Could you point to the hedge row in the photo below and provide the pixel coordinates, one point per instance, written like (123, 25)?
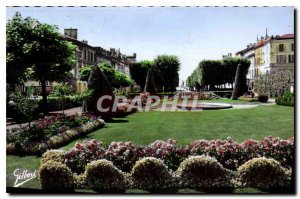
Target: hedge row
(202, 173)
(228, 152)
(54, 104)
(56, 141)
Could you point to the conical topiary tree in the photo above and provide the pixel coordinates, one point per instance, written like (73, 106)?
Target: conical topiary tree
(239, 83)
(100, 86)
(150, 85)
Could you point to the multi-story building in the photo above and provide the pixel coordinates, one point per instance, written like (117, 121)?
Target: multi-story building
(90, 55)
(268, 55)
(274, 53)
(248, 53)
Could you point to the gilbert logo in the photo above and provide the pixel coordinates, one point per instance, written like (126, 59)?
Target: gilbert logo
(23, 176)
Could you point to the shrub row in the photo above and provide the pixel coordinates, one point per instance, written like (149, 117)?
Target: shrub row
(53, 103)
(56, 141)
(202, 173)
(228, 152)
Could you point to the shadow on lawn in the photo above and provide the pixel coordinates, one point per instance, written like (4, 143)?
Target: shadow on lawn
(117, 121)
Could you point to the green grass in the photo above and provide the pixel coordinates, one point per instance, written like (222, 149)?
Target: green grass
(31, 163)
(184, 127)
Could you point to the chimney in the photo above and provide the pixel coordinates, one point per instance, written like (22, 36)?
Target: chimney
(134, 55)
(71, 32)
(84, 41)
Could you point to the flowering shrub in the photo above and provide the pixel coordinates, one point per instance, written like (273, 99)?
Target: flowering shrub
(204, 173)
(228, 153)
(55, 176)
(279, 149)
(151, 174)
(122, 110)
(232, 154)
(37, 142)
(77, 158)
(144, 97)
(168, 152)
(262, 173)
(124, 154)
(103, 176)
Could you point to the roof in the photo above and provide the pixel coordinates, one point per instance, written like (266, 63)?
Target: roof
(287, 36)
(77, 41)
(264, 42)
(245, 50)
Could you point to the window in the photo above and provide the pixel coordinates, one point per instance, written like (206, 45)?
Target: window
(89, 56)
(84, 54)
(291, 58)
(280, 59)
(281, 47)
(292, 47)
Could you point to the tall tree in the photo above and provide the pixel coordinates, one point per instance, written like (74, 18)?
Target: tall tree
(44, 50)
(18, 36)
(138, 71)
(217, 72)
(165, 70)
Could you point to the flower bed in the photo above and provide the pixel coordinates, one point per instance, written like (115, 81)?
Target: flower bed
(197, 172)
(227, 152)
(50, 133)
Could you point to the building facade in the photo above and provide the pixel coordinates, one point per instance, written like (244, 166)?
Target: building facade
(88, 55)
(269, 55)
(248, 53)
(274, 53)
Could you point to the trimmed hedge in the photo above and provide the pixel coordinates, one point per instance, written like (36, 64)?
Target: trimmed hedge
(206, 174)
(198, 172)
(264, 174)
(262, 98)
(151, 174)
(102, 176)
(53, 103)
(55, 176)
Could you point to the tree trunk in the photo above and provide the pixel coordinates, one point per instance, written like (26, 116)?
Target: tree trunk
(44, 95)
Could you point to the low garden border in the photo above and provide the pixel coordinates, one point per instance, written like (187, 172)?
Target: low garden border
(201, 173)
(56, 141)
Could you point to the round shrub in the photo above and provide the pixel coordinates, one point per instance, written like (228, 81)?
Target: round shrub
(53, 155)
(55, 176)
(264, 174)
(102, 176)
(206, 174)
(263, 98)
(151, 174)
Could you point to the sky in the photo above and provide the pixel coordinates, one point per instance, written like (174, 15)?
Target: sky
(191, 33)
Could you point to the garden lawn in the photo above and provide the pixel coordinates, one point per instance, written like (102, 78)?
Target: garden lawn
(185, 127)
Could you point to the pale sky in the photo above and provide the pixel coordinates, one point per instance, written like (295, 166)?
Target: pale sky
(191, 33)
